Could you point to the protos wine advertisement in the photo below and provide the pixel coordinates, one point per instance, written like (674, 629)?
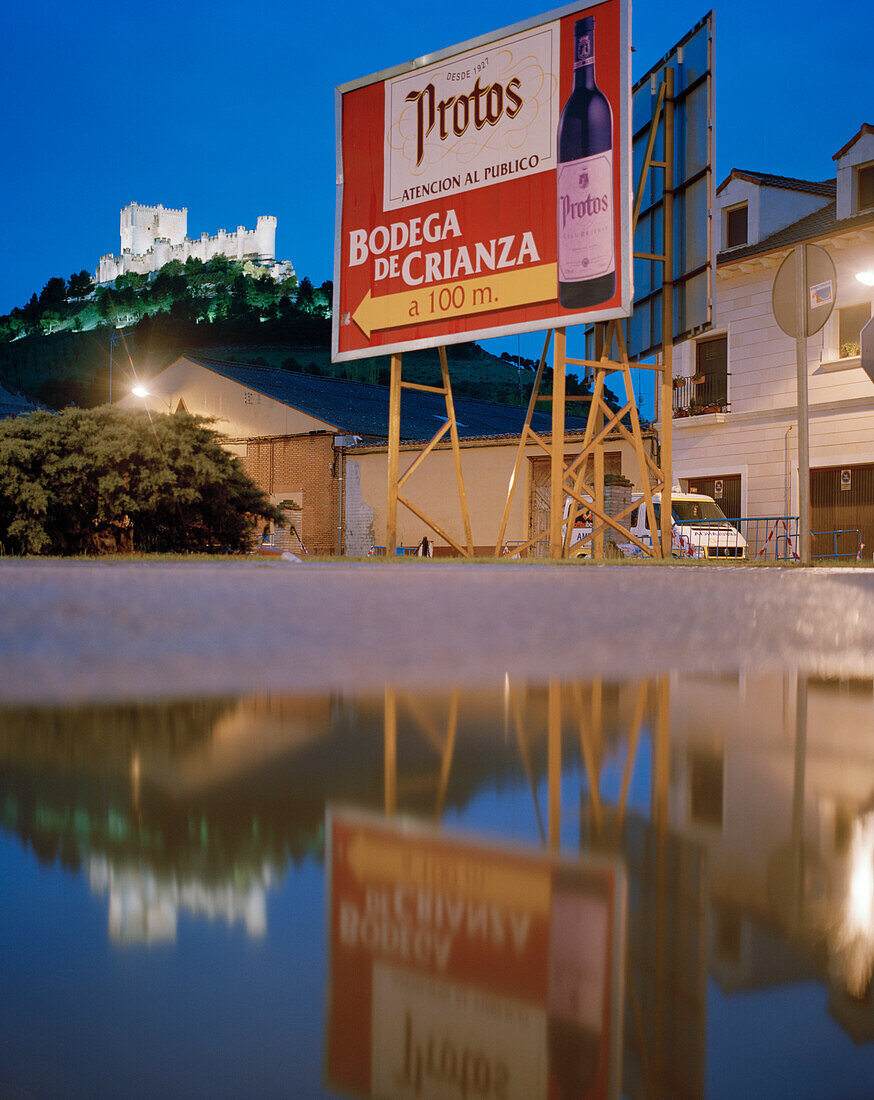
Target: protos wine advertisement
(464, 969)
(486, 189)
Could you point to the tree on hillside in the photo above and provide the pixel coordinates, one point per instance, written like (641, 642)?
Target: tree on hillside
(79, 286)
(218, 265)
(53, 294)
(305, 295)
(102, 479)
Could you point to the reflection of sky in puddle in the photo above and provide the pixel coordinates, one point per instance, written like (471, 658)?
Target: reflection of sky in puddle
(192, 835)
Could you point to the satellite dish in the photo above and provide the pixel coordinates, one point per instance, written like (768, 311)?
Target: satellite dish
(820, 291)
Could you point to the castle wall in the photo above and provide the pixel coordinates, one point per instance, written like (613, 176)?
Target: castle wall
(151, 236)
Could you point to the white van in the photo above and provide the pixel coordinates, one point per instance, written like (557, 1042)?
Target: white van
(699, 528)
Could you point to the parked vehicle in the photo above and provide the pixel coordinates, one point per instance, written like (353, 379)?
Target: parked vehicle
(699, 528)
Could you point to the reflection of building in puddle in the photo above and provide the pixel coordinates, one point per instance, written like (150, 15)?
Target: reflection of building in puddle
(777, 779)
(144, 907)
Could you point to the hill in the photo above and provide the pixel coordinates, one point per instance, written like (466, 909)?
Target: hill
(73, 342)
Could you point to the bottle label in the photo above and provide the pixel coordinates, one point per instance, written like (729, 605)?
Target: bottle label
(584, 50)
(585, 218)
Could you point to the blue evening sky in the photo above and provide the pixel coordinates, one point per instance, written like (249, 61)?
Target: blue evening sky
(228, 107)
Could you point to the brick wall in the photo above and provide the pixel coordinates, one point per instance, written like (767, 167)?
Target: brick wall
(303, 466)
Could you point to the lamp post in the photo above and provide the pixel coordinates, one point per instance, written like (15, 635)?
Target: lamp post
(141, 391)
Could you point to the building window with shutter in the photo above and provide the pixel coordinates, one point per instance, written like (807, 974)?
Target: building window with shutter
(736, 226)
(711, 375)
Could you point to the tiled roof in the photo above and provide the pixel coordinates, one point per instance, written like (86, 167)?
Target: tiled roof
(821, 223)
(13, 404)
(787, 183)
(359, 408)
(865, 128)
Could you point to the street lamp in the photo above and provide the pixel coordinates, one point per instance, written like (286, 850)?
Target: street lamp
(141, 391)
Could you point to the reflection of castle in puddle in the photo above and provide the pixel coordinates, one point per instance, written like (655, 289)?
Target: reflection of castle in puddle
(758, 810)
(200, 807)
(145, 907)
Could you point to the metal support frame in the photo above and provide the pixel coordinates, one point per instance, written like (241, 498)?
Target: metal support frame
(442, 742)
(569, 480)
(396, 482)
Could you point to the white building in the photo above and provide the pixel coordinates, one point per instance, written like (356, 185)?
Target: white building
(735, 432)
(151, 236)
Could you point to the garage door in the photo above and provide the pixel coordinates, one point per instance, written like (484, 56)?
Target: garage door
(842, 499)
(725, 490)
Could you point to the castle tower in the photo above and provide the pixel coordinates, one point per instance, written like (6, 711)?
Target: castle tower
(141, 225)
(265, 237)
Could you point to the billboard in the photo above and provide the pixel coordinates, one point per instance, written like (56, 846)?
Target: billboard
(459, 968)
(692, 61)
(486, 189)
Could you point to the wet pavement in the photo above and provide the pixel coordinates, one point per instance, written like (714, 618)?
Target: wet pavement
(87, 630)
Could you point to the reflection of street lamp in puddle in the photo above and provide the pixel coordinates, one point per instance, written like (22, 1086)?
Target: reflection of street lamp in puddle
(857, 925)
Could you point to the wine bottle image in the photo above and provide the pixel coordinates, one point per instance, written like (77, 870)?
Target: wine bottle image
(586, 252)
(578, 949)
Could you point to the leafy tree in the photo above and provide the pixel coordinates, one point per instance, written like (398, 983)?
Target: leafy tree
(33, 310)
(81, 481)
(53, 294)
(79, 286)
(193, 266)
(305, 295)
(50, 321)
(218, 265)
(168, 285)
(131, 280)
(106, 304)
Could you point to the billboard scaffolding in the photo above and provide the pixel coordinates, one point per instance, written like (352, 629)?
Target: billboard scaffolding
(472, 204)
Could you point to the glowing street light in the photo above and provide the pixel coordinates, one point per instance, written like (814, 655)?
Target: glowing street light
(141, 391)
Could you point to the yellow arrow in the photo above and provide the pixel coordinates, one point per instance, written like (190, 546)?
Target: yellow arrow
(479, 877)
(504, 290)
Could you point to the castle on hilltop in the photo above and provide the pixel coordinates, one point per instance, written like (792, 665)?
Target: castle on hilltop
(151, 236)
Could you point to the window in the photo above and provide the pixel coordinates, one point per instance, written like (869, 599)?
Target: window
(706, 789)
(851, 321)
(865, 187)
(736, 226)
(711, 374)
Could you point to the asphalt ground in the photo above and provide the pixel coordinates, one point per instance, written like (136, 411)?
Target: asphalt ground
(75, 631)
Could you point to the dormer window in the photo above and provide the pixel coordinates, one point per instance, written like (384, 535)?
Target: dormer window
(736, 226)
(865, 188)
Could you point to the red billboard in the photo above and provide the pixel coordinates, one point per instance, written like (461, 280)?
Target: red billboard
(469, 969)
(486, 189)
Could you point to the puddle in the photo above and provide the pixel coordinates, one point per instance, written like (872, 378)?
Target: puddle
(655, 887)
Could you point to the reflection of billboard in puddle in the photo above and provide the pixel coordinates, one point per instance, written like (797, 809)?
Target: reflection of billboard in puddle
(459, 968)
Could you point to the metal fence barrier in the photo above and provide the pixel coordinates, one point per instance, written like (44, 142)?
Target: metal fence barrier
(836, 544)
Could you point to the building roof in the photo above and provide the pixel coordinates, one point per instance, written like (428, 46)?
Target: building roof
(865, 128)
(13, 404)
(787, 183)
(360, 408)
(821, 223)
